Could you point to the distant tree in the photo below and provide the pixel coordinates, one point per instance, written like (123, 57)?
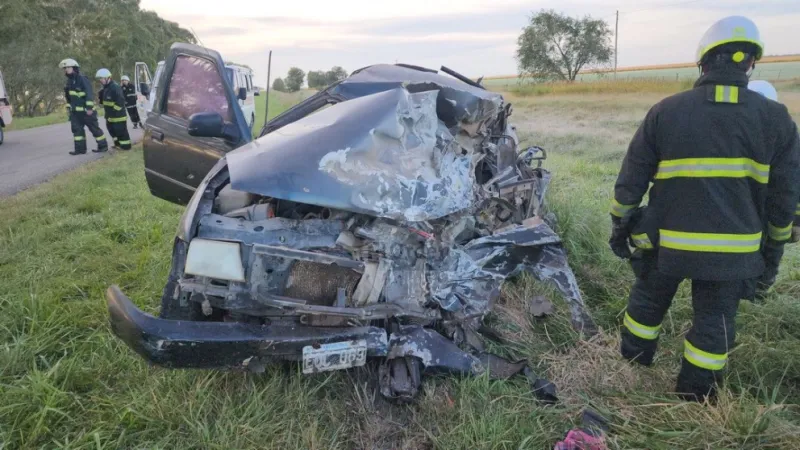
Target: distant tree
(278, 85)
(316, 79)
(557, 47)
(294, 79)
(335, 74)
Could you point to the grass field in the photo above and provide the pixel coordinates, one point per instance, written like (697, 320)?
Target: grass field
(773, 71)
(23, 123)
(66, 382)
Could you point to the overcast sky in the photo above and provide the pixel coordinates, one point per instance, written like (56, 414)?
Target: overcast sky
(475, 37)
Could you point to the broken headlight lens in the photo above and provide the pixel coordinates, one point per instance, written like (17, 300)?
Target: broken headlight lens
(215, 259)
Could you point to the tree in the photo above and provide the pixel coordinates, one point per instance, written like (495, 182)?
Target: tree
(337, 73)
(557, 47)
(278, 85)
(37, 34)
(316, 79)
(294, 79)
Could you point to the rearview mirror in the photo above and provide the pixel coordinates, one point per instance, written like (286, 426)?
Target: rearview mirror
(243, 94)
(211, 124)
(145, 89)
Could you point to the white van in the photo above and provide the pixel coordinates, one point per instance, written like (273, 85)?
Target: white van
(240, 78)
(5, 109)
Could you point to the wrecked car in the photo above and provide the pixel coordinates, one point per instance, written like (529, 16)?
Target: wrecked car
(377, 219)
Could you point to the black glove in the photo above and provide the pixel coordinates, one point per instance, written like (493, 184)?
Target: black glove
(619, 238)
(772, 253)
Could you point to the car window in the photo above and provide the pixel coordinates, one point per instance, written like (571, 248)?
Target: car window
(196, 86)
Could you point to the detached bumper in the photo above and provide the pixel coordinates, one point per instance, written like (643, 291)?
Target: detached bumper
(222, 345)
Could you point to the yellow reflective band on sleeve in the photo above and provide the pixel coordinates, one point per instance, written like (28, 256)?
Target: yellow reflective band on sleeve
(79, 138)
(89, 103)
(100, 138)
(618, 209)
(713, 168)
(639, 330)
(642, 241)
(710, 242)
(77, 94)
(726, 94)
(117, 119)
(117, 108)
(109, 103)
(797, 211)
(704, 360)
(780, 234)
(80, 108)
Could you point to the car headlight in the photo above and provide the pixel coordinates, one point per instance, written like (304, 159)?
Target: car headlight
(215, 259)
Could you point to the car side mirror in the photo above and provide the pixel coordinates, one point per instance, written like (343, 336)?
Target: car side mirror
(211, 124)
(242, 94)
(145, 89)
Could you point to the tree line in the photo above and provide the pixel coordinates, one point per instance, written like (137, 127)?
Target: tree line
(317, 79)
(37, 34)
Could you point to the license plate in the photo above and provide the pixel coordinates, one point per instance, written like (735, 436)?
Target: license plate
(335, 356)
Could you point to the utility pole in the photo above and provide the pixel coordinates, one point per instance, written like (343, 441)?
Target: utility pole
(616, 44)
(269, 72)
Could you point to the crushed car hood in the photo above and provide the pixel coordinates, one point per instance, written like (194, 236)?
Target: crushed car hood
(402, 151)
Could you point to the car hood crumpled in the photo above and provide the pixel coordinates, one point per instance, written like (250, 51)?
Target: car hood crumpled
(404, 153)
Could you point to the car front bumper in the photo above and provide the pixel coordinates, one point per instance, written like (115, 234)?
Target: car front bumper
(223, 345)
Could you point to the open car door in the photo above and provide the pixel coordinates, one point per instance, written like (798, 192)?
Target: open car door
(193, 122)
(143, 84)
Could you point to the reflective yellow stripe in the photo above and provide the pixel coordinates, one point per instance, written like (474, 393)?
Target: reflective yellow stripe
(79, 108)
(117, 119)
(77, 94)
(705, 360)
(642, 241)
(89, 103)
(117, 108)
(713, 168)
(639, 330)
(726, 94)
(124, 142)
(797, 211)
(780, 233)
(109, 103)
(708, 48)
(710, 242)
(79, 138)
(100, 138)
(618, 209)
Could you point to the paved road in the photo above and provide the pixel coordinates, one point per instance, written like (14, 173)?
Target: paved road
(32, 156)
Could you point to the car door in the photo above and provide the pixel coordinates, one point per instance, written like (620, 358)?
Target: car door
(143, 83)
(193, 81)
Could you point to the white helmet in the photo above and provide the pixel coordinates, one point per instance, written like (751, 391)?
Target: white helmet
(125, 78)
(103, 73)
(69, 62)
(728, 30)
(764, 88)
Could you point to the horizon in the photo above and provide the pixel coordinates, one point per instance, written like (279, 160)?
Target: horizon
(471, 37)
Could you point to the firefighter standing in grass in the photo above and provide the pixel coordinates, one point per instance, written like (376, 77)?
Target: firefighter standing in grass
(724, 163)
(114, 103)
(130, 100)
(80, 108)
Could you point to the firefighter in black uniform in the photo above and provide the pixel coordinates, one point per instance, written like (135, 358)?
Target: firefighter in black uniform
(114, 103)
(130, 100)
(80, 108)
(724, 164)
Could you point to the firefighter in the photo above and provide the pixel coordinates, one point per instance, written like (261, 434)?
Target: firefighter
(114, 103)
(130, 100)
(80, 108)
(724, 164)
